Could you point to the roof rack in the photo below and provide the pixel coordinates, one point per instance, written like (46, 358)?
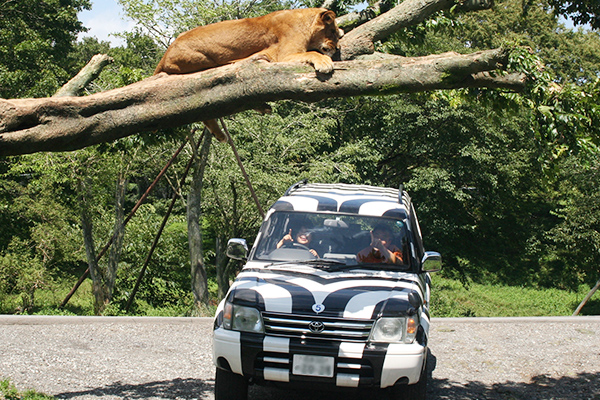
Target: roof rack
(295, 186)
(344, 188)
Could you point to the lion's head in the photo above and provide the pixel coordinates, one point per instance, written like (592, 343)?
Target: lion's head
(325, 34)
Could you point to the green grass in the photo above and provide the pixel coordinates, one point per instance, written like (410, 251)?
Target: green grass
(9, 392)
(450, 298)
(48, 299)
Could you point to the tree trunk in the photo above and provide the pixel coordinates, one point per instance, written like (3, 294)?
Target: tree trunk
(118, 233)
(199, 278)
(90, 248)
(103, 280)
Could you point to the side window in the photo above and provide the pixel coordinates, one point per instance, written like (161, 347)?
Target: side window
(269, 235)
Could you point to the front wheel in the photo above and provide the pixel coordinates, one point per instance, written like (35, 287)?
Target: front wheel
(230, 386)
(417, 391)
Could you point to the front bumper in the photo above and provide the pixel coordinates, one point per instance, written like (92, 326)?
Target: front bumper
(356, 364)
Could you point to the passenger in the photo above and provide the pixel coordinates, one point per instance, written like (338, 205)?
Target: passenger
(303, 238)
(381, 249)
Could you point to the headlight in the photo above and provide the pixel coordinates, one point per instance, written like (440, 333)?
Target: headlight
(240, 318)
(395, 330)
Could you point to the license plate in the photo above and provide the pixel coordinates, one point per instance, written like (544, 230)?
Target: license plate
(312, 365)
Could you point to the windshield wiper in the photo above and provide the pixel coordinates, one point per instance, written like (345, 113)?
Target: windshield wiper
(332, 265)
(315, 261)
(386, 267)
(325, 261)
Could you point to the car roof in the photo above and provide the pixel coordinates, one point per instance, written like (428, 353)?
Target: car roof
(346, 199)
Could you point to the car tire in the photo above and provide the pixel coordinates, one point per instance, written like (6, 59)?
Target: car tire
(416, 391)
(230, 386)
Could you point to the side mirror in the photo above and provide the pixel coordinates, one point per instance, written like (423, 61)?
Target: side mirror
(432, 262)
(237, 249)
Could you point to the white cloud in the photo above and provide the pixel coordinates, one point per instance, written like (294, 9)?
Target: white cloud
(103, 19)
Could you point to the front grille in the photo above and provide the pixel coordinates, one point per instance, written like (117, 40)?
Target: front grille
(333, 328)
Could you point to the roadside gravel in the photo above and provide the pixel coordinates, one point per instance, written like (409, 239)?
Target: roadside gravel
(108, 358)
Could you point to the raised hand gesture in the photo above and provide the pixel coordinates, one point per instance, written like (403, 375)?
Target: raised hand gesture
(286, 239)
(379, 246)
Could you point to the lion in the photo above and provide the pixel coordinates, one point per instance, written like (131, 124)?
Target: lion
(308, 35)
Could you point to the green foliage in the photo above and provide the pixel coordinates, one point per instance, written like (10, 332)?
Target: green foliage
(567, 119)
(575, 241)
(21, 275)
(48, 298)
(581, 11)
(9, 392)
(36, 35)
(166, 281)
(450, 298)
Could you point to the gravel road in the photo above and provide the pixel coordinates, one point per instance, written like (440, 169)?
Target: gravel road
(106, 358)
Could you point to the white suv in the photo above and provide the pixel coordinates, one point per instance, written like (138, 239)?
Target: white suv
(320, 304)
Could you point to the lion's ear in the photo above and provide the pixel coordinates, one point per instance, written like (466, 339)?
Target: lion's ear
(328, 17)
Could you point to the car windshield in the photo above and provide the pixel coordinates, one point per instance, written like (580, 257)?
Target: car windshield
(344, 239)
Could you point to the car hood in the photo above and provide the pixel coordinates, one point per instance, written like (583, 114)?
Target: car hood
(307, 290)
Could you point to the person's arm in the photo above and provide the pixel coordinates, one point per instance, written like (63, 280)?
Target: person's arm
(286, 239)
(395, 255)
(378, 245)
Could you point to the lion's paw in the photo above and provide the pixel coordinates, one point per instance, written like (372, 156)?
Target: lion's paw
(323, 67)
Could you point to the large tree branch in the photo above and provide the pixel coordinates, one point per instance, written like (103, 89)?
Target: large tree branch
(421, 11)
(69, 123)
(351, 20)
(361, 40)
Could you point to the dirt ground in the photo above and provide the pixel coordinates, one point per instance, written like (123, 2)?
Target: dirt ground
(106, 358)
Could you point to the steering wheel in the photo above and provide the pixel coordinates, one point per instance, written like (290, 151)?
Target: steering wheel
(300, 246)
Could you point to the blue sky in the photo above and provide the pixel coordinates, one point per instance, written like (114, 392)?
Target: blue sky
(105, 17)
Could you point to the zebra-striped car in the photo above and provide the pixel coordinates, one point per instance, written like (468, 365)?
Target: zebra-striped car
(334, 293)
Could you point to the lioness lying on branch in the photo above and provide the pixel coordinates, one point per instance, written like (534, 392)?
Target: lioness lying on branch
(307, 35)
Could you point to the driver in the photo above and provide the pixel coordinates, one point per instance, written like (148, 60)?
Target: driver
(302, 238)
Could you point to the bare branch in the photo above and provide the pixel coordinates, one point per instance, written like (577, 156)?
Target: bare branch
(85, 76)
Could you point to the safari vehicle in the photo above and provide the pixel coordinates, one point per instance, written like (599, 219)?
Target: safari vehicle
(309, 313)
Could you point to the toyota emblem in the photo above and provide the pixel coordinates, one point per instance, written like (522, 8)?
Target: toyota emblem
(316, 326)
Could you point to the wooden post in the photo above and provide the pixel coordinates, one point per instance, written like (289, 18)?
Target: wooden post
(589, 296)
(160, 230)
(246, 177)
